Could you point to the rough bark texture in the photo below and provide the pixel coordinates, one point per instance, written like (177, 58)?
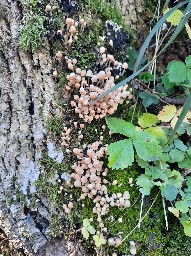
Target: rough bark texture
(131, 10)
(27, 90)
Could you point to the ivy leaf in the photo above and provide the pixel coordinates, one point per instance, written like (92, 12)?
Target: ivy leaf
(117, 125)
(167, 113)
(175, 211)
(148, 99)
(85, 233)
(182, 206)
(177, 72)
(121, 154)
(180, 145)
(170, 192)
(176, 155)
(158, 133)
(147, 149)
(188, 61)
(187, 227)
(147, 120)
(145, 184)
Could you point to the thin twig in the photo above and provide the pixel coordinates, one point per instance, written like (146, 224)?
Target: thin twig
(165, 215)
(141, 211)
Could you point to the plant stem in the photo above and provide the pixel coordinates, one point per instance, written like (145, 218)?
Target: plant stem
(141, 219)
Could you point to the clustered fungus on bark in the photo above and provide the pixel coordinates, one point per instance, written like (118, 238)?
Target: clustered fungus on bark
(83, 87)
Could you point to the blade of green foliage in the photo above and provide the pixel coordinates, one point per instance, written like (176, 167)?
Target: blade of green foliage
(121, 154)
(117, 125)
(147, 120)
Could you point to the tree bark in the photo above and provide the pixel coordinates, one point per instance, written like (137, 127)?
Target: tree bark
(27, 90)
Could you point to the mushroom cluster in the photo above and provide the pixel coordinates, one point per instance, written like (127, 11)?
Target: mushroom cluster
(69, 34)
(89, 84)
(90, 175)
(65, 137)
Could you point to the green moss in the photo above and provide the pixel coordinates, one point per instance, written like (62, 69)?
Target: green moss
(55, 125)
(32, 32)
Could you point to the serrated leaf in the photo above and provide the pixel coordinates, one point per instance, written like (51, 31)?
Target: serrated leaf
(85, 233)
(121, 154)
(142, 163)
(182, 206)
(148, 150)
(176, 155)
(177, 72)
(180, 145)
(170, 192)
(174, 211)
(117, 125)
(158, 133)
(148, 99)
(188, 61)
(91, 230)
(187, 227)
(147, 120)
(167, 113)
(175, 17)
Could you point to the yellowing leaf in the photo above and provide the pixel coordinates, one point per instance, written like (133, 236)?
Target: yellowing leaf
(173, 121)
(188, 30)
(167, 113)
(175, 17)
(174, 210)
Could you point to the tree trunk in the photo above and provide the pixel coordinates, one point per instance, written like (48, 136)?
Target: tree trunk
(27, 90)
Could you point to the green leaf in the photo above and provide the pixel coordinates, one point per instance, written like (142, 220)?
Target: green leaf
(176, 155)
(170, 192)
(145, 184)
(189, 78)
(188, 61)
(142, 163)
(147, 149)
(85, 233)
(166, 82)
(189, 151)
(177, 72)
(182, 206)
(185, 164)
(147, 120)
(158, 133)
(91, 230)
(117, 125)
(187, 227)
(121, 154)
(146, 77)
(148, 99)
(180, 145)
